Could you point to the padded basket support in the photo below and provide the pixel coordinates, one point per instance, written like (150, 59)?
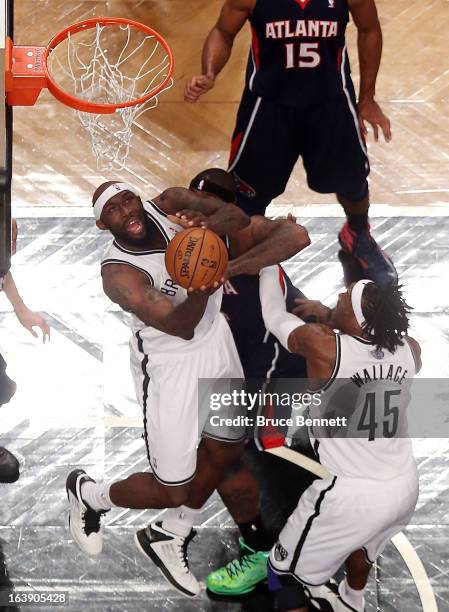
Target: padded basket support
(25, 75)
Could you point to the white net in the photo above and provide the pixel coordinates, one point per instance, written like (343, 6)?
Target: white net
(111, 65)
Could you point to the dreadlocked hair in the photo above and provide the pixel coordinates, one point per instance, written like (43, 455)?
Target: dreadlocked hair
(386, 315)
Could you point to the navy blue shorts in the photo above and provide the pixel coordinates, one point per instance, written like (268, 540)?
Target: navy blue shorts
(269, 139)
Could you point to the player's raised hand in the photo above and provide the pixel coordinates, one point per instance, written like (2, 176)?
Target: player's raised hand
(368, 110)
(188, 218)
(197, 86)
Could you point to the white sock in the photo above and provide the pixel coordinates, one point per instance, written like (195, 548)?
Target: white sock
(352, 596)
(96, 494)
(180, 520)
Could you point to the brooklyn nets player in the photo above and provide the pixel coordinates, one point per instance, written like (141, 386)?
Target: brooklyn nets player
(372, 491)
(263, 359)
(178, 338)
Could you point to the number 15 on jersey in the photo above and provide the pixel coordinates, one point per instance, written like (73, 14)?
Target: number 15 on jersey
(304, 55)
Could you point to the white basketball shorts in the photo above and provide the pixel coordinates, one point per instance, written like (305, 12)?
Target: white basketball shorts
(176, 409)
(338, 516)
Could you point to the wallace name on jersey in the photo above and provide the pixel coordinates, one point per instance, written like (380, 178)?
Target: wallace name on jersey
(301, 28)
(379, 372)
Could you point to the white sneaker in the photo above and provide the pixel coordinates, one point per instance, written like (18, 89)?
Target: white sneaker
(328, 598)
(84, 522)
(169, 552)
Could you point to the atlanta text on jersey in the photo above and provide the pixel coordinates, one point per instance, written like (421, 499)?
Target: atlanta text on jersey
(301, 28)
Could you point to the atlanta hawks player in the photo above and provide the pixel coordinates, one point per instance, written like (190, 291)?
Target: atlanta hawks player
(299, 100)
(263, 360)
(372, 491)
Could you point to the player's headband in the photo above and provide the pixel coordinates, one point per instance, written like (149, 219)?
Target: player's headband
(107, 194)
(203, 184)
(356, 301)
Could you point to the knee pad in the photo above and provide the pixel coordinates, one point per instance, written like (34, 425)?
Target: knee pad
(357, 194)
(287, 592)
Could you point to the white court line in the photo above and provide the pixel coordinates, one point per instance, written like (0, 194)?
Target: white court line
(418, 572)
(211, 518)
(400, 541)
(299, 459)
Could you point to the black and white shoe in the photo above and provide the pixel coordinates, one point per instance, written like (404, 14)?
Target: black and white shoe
(327, 598)
(84, 522)
(169, 553)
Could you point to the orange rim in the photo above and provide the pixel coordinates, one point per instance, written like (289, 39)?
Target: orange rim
(94, 107)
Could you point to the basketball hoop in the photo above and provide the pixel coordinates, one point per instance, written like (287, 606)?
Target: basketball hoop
(110, 70)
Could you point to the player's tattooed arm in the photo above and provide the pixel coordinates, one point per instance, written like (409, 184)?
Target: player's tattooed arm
(264, 243)
(313, 308)
(133, 292)
(190, 208)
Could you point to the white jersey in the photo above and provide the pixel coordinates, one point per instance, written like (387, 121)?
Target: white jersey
(370, 389)
(152, 264)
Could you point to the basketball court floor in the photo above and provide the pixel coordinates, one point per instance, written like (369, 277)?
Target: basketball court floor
(75, 402)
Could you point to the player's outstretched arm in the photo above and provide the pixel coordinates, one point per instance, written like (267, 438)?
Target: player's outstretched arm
(314, 341)
(220, 217)
(28, 318)
(218, 46)
(369, 42)
(265, 242)
(133, 292)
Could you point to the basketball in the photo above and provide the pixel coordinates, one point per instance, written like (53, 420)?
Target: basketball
(196, 257)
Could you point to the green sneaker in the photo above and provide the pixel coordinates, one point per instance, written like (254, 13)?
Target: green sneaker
(241, 575)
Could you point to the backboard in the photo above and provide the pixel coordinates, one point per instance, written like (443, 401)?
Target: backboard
(6, 121)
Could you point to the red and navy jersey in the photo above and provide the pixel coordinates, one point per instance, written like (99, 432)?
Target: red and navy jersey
(298, 55)
(261, 354)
